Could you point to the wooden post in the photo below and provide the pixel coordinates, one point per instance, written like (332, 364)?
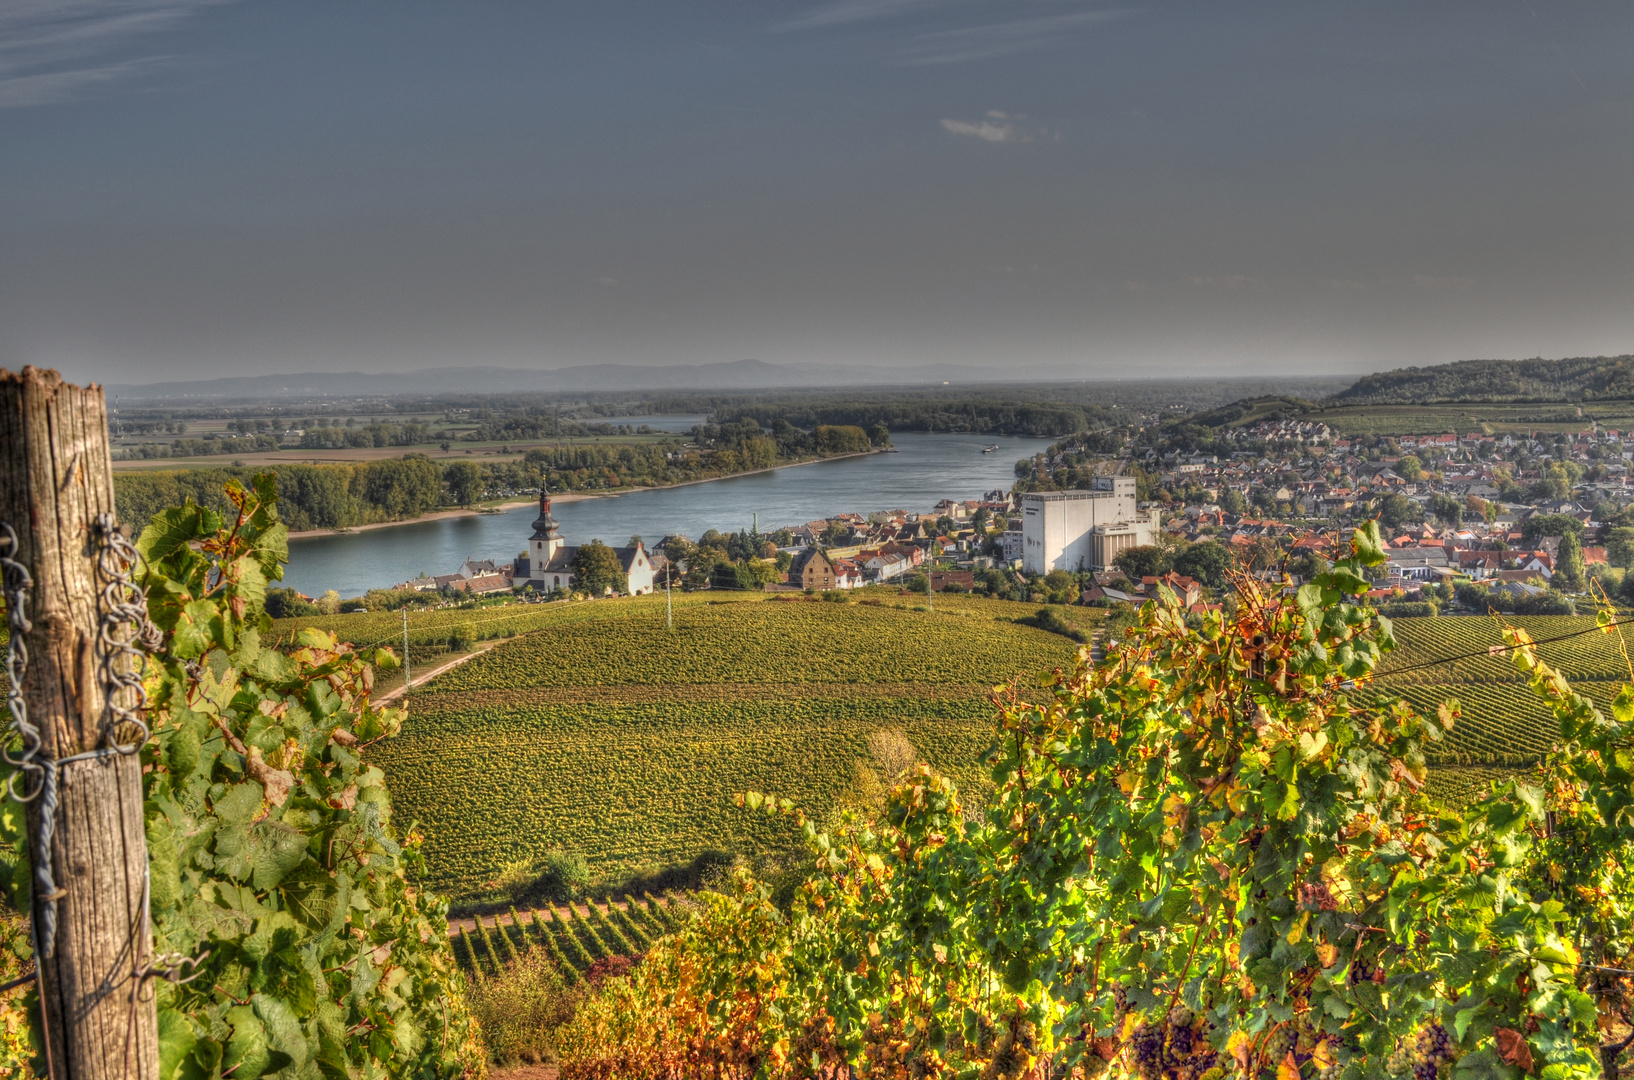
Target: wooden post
(56, 477)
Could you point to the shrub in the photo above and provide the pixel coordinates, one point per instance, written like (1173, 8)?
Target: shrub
(1404, 609)
(521, 1007)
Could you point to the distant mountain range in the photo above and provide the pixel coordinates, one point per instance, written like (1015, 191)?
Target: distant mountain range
(587, 378)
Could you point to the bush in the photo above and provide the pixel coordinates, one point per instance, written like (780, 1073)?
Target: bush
(838, 596)
(521, 1007)
(1050, 619)
(1406, 609)
(462, 637)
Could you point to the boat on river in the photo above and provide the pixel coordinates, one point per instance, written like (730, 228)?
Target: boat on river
(991, 449)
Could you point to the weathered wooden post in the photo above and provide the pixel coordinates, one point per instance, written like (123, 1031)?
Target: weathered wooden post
(81, 728)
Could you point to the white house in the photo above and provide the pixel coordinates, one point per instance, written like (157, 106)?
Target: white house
(1083, 530)
(548, 564)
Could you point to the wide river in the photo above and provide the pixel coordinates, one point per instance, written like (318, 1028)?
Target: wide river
(927, 469)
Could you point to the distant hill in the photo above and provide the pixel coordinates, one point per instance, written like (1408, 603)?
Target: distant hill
(1578, 379)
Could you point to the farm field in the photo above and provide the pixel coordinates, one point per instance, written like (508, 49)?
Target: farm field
(602, 732)
(1464, 417)
(1502, 723)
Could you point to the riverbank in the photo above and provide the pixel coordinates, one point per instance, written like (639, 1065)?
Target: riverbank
(566, 497)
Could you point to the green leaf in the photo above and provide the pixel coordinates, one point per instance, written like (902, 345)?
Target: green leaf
(176, 1042)
(283, 1031)
(247, 1052)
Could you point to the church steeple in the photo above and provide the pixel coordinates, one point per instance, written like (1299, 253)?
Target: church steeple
(547, 536)
(545, 527)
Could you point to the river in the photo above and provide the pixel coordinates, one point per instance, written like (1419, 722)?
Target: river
(926, 469)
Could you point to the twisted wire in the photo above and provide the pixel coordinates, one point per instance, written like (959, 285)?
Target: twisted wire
(17, 582)
(126, 632)
(125, 606)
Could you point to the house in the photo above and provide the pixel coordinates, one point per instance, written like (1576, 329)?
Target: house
(847, 574)
(548, 563)
(1105, 592)
(1418, 563)
(1187, 590)
(482, 584)
(812, 569)
(941, 579)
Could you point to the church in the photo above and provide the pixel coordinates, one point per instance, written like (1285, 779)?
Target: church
(548, 563)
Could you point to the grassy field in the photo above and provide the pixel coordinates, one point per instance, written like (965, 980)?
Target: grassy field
(600, 731)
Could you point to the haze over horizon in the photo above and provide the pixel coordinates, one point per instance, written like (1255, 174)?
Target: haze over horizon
(204, 188)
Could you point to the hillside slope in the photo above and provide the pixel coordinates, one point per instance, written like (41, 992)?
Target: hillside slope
(619, 739)
(1576, 379)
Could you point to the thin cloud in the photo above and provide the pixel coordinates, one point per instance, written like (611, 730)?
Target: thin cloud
(999, 127)
(993, 40)
(52, 50)
(986, 131)
(842, 12)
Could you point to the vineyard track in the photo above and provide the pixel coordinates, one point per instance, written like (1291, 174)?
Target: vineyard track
(448, 665)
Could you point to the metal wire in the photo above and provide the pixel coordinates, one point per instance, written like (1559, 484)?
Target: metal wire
(124, 696)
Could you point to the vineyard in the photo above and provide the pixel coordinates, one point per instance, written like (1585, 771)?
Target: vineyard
(1502, 722)
(604, 733)
(574, 936)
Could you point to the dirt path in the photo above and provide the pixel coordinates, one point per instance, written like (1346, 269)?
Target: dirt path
(525, 1072)
(476, 650)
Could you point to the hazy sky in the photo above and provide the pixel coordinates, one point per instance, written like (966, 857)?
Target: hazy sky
(193, 188)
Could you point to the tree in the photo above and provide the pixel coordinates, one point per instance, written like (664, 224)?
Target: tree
(464, 480)
(1147, 560)
(1206, 561)
(1232, 502)
(1410, 468)
(879, 435)
(1396, 510)
(1446, 508)
(1620, 547)
(598, 571)
(1569, 570)
(1551, 525)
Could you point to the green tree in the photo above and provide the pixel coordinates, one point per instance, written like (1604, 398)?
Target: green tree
(879, 435)
(464, 480)
(1569, 570)
(1551, 525)
(1410, 468)
(598, 571)
(1232, 502)
(1620, 547)
(1446, 509)
(1396, 510)
(1206, 561)
(1147, 560)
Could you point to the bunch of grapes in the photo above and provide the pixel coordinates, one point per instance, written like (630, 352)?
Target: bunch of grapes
(1430, 1049)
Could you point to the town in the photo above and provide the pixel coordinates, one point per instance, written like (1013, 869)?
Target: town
(1520, 522)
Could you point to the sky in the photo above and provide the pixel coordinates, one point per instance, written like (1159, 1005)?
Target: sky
(195, 188)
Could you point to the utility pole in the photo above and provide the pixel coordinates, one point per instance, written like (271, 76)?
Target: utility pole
(669, 610)
(408, 673)
(76, 709)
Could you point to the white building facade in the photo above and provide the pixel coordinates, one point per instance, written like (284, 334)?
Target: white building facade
(1083, 530)
(548, 564)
